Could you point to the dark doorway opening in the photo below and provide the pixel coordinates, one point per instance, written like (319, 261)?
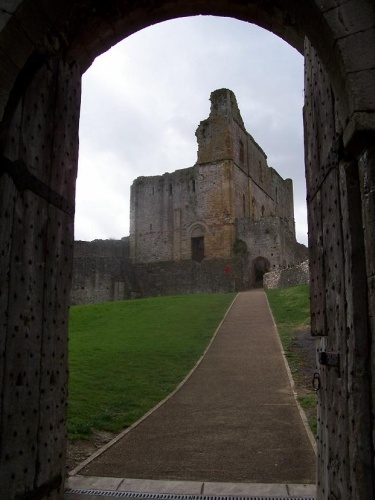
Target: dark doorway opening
(197, 248)
(261, 266)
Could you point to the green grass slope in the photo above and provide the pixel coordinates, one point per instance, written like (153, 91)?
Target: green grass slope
(291, 311)
(127, 356)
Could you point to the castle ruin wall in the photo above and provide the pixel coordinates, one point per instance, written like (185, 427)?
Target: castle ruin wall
(188, 277)
(292, 276)
(186, 226)
(102, 272)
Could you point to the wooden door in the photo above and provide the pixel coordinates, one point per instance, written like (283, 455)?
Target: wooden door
(39, 151)
(339, 297)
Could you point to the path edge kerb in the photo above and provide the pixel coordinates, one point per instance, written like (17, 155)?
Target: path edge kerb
(113, 441)
(292, 383)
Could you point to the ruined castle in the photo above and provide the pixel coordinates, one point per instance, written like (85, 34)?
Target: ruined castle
(216, 226)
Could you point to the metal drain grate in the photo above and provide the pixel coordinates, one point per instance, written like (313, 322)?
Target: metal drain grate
(166, 496)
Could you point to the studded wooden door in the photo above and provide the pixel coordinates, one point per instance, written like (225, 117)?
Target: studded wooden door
(39, 151)
(339, 299)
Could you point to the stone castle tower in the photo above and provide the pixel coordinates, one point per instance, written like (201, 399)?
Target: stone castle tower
(215, 227)
(230, 201)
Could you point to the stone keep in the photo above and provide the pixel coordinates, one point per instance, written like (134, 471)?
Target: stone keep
(230, 200)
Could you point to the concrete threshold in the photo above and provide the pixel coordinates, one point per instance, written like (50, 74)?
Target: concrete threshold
(87, 485)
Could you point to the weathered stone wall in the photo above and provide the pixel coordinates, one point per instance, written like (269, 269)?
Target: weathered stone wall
(292, 276)
(231, 180)
(230, 194)
(208, 276)
(155, 214)
(269, 238)
(99, 276)
(102, 272)
(258, 190)
(167, 210)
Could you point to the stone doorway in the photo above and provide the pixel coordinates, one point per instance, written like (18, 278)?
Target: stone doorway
(197, 248)
(261, 266)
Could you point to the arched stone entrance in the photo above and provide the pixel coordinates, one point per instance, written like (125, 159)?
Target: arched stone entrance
(45, 47)
(197, 244)
(261, 266)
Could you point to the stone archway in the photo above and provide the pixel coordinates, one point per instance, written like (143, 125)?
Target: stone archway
(45, 48)
(197, 243)
(261, 266)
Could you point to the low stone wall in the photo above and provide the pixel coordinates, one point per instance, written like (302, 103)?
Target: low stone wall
(102, 272)
(292, 276)
(187, 276)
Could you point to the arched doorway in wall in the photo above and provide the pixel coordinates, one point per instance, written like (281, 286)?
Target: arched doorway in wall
(261, 265)
(93, 30)
(197, 234)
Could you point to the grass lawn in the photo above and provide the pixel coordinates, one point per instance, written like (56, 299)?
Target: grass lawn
(291, 311)
(127, 356)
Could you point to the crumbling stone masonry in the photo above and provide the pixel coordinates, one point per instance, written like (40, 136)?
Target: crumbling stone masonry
(230, 201)
(215, 227)
(292, 276)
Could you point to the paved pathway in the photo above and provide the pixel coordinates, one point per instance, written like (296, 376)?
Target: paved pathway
(234, 420)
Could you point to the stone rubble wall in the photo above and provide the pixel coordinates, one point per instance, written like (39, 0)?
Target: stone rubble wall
(103, 272)
(292, 276)
(188, 277)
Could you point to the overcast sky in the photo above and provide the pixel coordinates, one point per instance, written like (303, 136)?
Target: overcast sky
(142, 102)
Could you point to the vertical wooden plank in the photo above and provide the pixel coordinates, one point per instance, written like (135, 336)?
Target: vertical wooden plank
(7, 196)
(37, 271)
(313, 164)
(337, 262)
(22, 362)
(358, 338)
(316, 256)
(25, 272)
(367, 189)
(327, 268)
(334, 378)
(9, 146)
(58, 274)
